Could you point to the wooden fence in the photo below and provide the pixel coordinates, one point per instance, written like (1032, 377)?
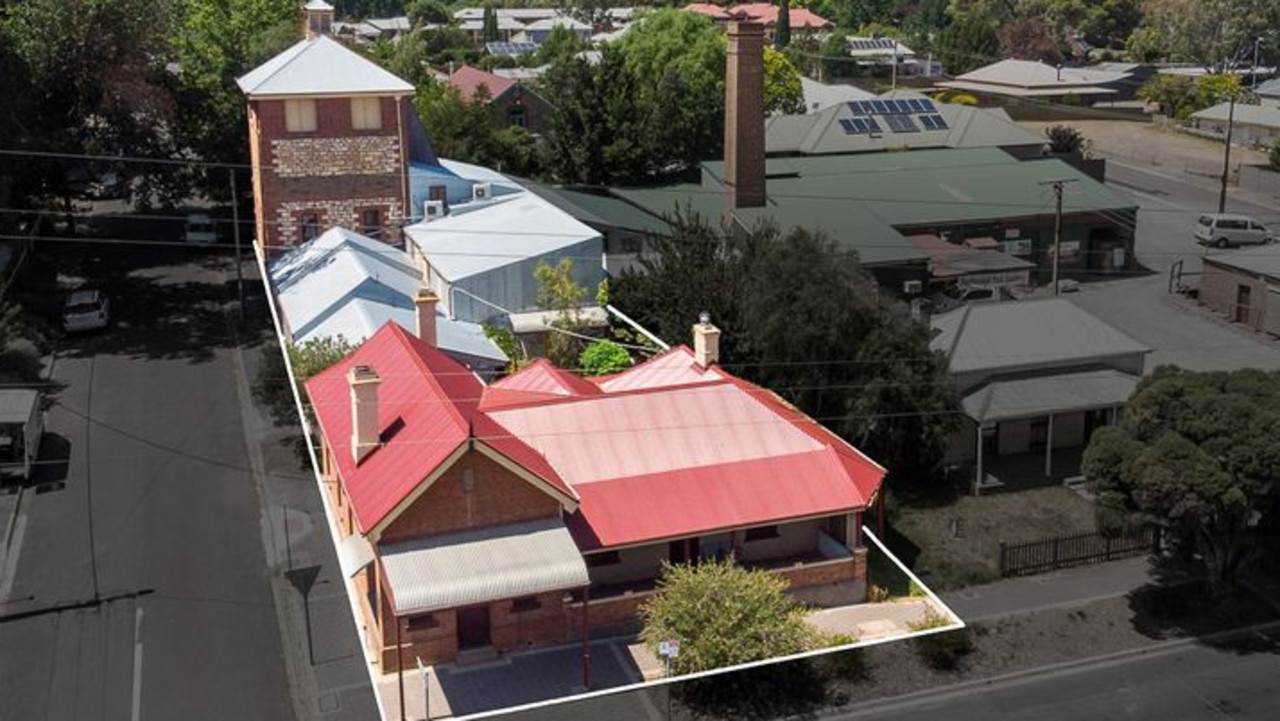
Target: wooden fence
(1050, 554)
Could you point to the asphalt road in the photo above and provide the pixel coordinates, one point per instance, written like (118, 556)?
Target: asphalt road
(1235, 680)
(150, 427)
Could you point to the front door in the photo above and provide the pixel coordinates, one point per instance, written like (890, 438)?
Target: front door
(1242, 304)
(473, 627)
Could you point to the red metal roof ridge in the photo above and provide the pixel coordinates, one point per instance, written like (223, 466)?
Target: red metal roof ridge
(626, 392)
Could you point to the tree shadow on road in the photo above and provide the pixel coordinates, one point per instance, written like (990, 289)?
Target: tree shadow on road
(795, 689)
(1190, 610)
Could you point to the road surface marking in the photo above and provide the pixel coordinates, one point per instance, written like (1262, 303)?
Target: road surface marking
(137, 663)
(10, 567)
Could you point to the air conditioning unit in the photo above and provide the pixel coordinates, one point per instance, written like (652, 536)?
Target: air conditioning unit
(912, 287)
(481, 191)
(433, 209)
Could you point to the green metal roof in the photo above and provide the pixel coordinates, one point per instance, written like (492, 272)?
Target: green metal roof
(615, 212)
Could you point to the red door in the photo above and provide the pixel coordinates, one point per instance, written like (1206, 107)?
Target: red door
(473, 627)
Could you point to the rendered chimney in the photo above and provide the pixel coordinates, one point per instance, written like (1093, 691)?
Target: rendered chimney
(424, 304)
(317, 18)
(744, 174)
(706, 342)
(364, 411)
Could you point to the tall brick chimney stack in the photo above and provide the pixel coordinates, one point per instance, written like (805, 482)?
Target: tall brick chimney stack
(317, 18)
(744, 177)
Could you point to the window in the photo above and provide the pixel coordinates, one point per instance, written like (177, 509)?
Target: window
(300, 116)
(525, 604)
(371, 222)
(608, 558)
(366, 113)
(423, 621)
(516, 116)
(308, 226)
(762, 533)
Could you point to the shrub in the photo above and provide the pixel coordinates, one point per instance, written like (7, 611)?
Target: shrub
(603, 357)
(1275, 156)
(877, 594)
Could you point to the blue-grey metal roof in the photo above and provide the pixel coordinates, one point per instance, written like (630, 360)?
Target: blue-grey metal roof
(1041, 395)
(1028, 333)
(1263, 260)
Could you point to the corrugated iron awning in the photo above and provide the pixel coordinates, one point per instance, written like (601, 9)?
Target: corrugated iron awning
(354, 553)
(1042, 395)
(471, 567)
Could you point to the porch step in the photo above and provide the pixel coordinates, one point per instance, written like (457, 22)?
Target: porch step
(473, 656)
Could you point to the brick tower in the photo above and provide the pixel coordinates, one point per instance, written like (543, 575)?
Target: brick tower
(328, 141)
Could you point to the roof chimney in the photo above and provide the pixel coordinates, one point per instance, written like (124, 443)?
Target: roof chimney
(744, 175)
(706, 342)
(424, 304)
(364, 411)
(317, 19)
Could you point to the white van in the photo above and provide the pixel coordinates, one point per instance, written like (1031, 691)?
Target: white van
(199, 229)
(1226, 229)
(21, 427)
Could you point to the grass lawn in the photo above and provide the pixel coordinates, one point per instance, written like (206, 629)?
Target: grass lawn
(922, 536)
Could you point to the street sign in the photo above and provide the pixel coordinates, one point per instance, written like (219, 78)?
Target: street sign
(669, 649)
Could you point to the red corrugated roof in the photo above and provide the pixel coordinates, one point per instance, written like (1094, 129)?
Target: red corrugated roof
(715, 12)
(767, 15)
(426, 408)
(664, 449)
(468, 80)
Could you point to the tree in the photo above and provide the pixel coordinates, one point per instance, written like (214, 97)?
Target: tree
(559, 293)
(843, 365)
(968, 43)
(836, 62)
(603, 357)
(1145, 45)
(10, 324)
(489, 25)
(1174, 93)
(782, 32)
(561, 44)
(723, 615)
(1196, 453)
(1214, 89)
(1030, 39)
(426, 12)
(1217, 35)
(271, 384)
(783, 91)
(1064, 140)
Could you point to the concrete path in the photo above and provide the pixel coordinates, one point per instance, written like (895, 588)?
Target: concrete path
(1062, 589)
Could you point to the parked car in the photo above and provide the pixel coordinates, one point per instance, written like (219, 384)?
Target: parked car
(959, 295)
(86, 309)
(1227, 229)
(199, 229)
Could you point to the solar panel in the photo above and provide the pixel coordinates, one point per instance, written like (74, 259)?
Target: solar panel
(904, 106)
(939, 122)
(901, 124)
(928, 106)
(927, 122)
(879, 106)
(856, 126)
(855, 107)
(873, 126)
(915, 105)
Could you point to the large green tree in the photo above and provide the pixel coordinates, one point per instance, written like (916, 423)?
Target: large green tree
(859, 364)
(1217, 35)
(723, 615)
(1199, 454)
(966, 44)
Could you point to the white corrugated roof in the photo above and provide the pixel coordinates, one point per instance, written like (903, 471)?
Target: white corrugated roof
(16, 404)
(1038, 396)
(1032, 74)
(320, 66)
(992, 336)
(511, 229)
(345, 284)
(1261, 115)
(478, 566)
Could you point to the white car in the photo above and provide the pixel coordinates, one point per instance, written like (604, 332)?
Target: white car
(86, 310)
(199, 230)
(1227, 229)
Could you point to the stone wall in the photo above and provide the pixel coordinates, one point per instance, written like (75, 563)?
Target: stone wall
(310, 157)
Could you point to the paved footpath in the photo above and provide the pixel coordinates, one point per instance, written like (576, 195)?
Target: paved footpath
(1061, 589)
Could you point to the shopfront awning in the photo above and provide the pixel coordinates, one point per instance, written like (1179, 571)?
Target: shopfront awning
(473, 567)
(1041, 395)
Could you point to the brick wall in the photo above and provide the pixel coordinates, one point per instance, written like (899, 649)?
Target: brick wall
(334, 172)
(608, 616)
(497, 496)
(513, 630)
(823, 572)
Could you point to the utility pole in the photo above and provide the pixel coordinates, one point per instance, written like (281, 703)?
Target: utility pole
(1255, 63)
(1226, 156)
(1057, 225)
(894, 85)
(235, 234)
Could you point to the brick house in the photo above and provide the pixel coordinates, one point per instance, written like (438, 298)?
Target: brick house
(479, 519)
(512, 102)
(328, 133)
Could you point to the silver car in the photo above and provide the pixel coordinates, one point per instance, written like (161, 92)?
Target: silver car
(86, 310)
(1226, 229)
